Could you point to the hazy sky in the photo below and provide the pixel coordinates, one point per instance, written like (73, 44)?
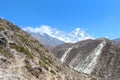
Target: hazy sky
(98, 17)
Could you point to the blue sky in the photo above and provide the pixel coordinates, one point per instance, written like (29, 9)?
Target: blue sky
(98, 17)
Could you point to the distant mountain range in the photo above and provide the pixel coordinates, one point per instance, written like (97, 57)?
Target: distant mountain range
(52, 37)
(46, 40)
(116, 40)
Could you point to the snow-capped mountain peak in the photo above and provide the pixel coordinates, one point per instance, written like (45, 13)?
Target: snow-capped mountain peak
(77, 31)
(79, 34)
(74, 36)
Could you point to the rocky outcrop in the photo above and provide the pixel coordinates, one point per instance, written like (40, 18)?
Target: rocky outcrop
(24, 58)
(3, 41)
(98, 58)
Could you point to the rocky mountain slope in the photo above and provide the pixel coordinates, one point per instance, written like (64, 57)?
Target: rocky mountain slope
(116, 40)
(98, 58)
(46, 40)
(24, 58)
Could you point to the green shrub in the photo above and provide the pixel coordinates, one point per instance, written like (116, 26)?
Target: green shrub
(42, 64)
(31, 70)
(41, 45)
(5, 52)
(58, 68)
(53, 72)
(23, 50)
(49, 59)
(46, 50)
(1, 28)
(46, 60)
(1, 47)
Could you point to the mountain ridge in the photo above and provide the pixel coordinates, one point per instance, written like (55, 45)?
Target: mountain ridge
(98, 58)
(117, 41)
(46, 40)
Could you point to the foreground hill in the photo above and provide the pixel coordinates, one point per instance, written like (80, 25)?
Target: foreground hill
(98, 58)
(24, 58)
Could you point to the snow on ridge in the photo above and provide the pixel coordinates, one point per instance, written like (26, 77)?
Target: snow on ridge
(64, 57)
(88, 65)
(74, 36)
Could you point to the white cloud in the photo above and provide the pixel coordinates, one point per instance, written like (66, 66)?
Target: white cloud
(74, 36)
(35, 30)
(42, 29)
(106, 36)
(1, 17)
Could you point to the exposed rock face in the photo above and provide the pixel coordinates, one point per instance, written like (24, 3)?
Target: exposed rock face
(2, 40)
(24, 58)
(97, 58)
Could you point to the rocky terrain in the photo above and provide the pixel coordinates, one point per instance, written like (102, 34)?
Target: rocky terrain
(98, 58)
(24, 58)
